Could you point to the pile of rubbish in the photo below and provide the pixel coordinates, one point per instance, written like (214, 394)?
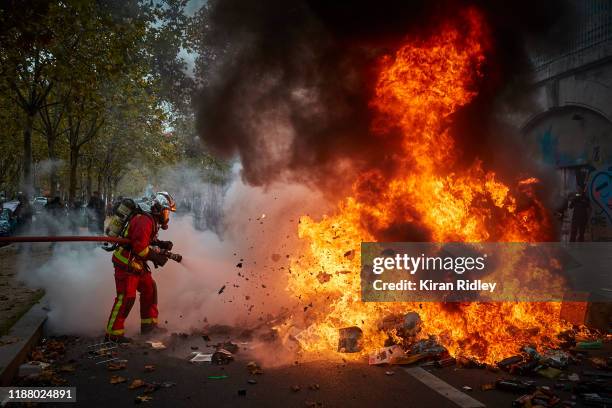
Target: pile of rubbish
(519, 374)
(561, 367)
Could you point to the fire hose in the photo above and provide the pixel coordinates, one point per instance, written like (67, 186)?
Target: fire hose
(76, 238)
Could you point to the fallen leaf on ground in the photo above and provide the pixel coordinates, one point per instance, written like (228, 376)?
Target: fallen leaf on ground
(116, 366)
(137, 383)
(55, 346)
(117, 379)
(143, 398)
(57, 380)
(37, 355)
(68, 368)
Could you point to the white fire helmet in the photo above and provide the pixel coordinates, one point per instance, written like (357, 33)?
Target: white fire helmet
(162, 204)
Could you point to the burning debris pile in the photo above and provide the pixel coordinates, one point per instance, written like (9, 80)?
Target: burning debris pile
(539, 376)
(431, 196)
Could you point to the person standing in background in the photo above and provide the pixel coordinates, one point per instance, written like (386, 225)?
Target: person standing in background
(96, 212)
(581, 205)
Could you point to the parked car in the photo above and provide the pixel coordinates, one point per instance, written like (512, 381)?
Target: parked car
(38, 204)
(8, 221)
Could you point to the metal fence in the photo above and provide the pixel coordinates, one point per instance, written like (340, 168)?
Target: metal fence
(592, 25)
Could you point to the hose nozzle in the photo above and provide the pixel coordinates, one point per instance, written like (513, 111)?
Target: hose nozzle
(176, 257)
(170, 255)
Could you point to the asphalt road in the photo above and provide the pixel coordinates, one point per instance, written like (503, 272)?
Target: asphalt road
(322, 383)
(340, 384)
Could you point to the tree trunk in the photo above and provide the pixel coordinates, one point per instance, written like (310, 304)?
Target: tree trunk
(74, 163)
(109, 188)
(89, 178)
(99, 182)
(27, 154)
(52, 170)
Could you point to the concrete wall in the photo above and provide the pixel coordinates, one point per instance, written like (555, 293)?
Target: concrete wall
(571, 130)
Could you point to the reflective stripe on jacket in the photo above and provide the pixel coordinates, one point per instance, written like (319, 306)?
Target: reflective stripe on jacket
(141, 230)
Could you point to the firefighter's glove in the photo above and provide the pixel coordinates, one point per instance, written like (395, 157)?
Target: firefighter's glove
(157, 258)
(167, 245)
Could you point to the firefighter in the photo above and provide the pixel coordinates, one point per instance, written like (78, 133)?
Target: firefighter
(132, 272)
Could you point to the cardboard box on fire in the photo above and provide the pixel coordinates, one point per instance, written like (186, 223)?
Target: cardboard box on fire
(393, 355)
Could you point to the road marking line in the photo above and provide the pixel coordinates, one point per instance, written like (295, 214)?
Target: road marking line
(443, 388)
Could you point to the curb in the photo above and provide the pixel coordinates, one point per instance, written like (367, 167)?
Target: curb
(28, 330)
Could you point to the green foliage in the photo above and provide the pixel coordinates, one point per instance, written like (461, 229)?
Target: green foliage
(92, 92)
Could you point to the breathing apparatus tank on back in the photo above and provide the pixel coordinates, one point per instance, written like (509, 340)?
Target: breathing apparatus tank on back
(117, 223)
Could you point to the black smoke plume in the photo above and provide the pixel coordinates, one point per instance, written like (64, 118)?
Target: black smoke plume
(286, 84)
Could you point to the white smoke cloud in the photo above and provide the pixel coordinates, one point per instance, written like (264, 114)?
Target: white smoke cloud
(44, 167)
(259, 230)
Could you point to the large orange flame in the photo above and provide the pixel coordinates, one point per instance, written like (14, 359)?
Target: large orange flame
(417, 91)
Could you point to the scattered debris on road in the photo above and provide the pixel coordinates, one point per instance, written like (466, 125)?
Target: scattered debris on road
(218, 377)
(387, 355)
(222, 356)
(32, 368)
(254, 368)
(156, 345)
(350, 340)
(167, 384)
(199, 358)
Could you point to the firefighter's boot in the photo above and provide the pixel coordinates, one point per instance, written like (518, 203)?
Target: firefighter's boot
(152, 329)
(117, 339)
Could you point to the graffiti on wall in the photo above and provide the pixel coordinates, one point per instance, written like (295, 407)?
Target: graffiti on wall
(599, 190)
(563, 150)
(577, 142)
(600, 193)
